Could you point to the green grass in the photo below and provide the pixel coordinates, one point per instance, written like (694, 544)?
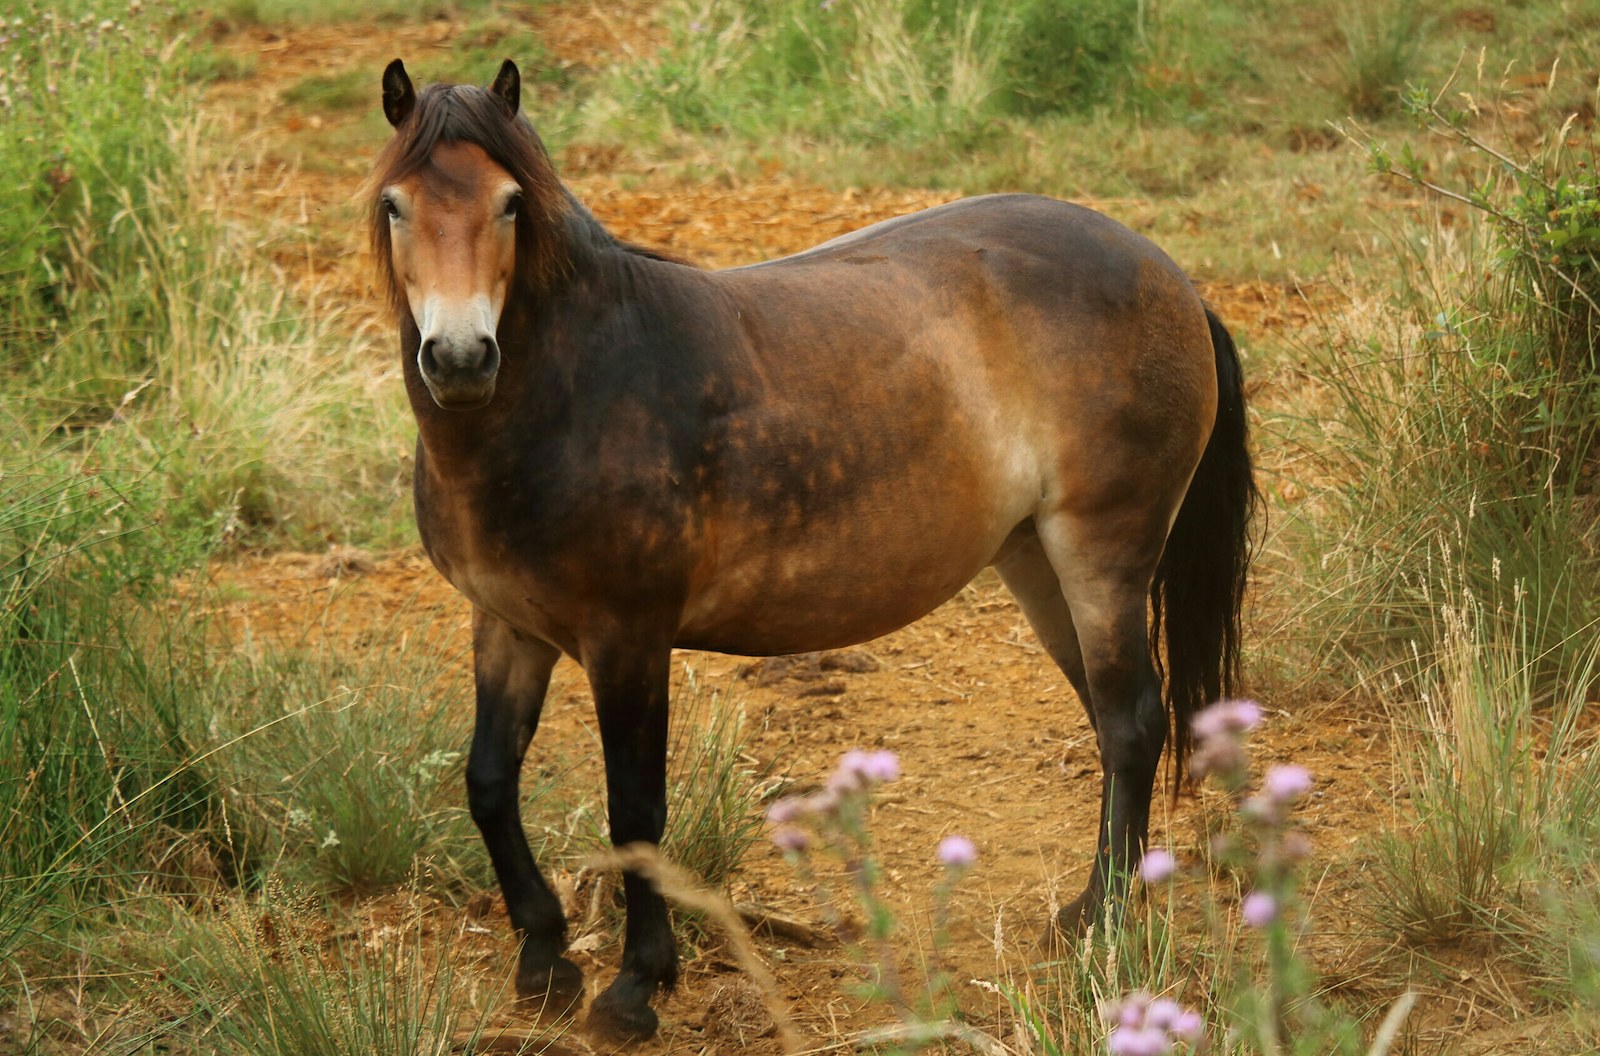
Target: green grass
(97, 694)
(268, 975)
(1493, 843)
(1383, 46)
(346, 90)
(235, 14)
(346, 774)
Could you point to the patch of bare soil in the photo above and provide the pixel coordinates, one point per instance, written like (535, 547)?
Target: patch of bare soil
(992, 743)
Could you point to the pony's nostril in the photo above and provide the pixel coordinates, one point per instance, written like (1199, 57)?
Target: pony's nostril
(426, 360)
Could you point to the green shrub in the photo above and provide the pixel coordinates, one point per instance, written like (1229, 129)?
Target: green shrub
(1071, 54)
(881, 70)
(1467, 436)
(1383, 45)
(345, 772)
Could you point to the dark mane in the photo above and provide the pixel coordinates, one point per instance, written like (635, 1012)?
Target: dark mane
(453, 113)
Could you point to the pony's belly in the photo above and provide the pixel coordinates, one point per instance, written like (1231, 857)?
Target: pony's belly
(784, 625)
(794, 603)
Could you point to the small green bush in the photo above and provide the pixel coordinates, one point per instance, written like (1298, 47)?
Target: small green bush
(1469, 436)
(885, 70)
(346, 773)
(1383, 45)
(1070, 55)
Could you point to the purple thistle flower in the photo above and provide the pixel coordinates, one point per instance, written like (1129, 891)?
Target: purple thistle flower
(1226, 717)
(1187, 1027)
(1219, 732)
(1129, 1012)
(1157, 866)
(858, 769)
(957, 852)
(1285, 784)
(786, 810)
(1162, 1013)
(1145, 1026)
(1138, 1041)
(791, 839)
(1258, 909)
(881, 766)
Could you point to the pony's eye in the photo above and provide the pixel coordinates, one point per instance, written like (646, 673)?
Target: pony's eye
(513, 206)
(390, 208)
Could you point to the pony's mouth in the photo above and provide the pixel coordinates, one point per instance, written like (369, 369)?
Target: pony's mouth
(462, 402)
(457, 381)
(456, 396)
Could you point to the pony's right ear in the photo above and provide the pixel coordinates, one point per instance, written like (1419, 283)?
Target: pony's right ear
(398, 95)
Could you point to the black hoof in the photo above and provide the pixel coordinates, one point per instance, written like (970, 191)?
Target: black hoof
(1074, 918)
(553, 987)
(623, 1013)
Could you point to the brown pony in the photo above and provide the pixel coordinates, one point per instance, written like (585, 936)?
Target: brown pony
(620, 454)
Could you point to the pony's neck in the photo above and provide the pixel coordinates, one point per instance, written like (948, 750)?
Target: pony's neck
(581, 232)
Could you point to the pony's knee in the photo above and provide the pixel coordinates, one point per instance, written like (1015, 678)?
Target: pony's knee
(491, 791)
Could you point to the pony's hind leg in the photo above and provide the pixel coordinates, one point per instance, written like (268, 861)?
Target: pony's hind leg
(512, 673)
(1104, 568)
(1026, 572)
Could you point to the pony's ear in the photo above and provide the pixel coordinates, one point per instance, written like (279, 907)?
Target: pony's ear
(508, 85)
(398, 95)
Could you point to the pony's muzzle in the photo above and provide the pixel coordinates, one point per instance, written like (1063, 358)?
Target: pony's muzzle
(460, 374)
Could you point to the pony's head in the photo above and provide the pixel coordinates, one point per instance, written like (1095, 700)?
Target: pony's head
(466, 215)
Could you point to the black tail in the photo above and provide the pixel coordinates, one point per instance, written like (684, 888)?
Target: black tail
(1199, 586)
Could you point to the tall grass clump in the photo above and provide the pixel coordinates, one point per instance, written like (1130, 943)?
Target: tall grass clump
(100, 678)
(713, 788)
(1500, 791)
(346, 773)
(1496, 834)
(87, 89)
(1383, 46)
(1477, 408)
(885, 70)
(270, 975)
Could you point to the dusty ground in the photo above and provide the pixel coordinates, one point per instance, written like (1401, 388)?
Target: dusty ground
(991, 742)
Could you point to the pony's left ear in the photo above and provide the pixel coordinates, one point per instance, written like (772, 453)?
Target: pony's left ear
(398, 95)
(508, 85)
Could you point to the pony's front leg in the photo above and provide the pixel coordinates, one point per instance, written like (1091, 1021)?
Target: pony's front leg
(630, 684)
(512, 674)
